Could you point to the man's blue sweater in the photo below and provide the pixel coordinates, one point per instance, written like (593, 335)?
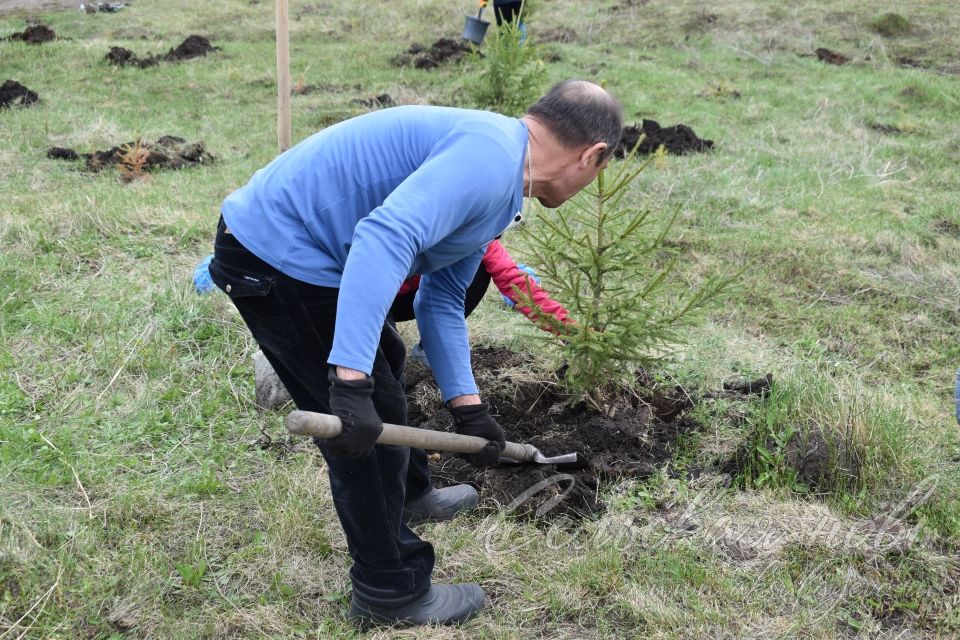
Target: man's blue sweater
(370, 201)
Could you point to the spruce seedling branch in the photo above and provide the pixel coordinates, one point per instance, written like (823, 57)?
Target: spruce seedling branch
(602, 257)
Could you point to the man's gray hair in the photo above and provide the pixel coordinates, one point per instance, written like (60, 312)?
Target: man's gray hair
(580, 113)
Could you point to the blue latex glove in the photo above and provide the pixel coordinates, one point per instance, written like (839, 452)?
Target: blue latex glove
(201, 277)
(533, 276)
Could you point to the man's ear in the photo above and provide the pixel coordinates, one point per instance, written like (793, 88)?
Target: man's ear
(592, 155)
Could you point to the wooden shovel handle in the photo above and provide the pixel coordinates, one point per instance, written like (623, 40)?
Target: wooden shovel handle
(321, 425)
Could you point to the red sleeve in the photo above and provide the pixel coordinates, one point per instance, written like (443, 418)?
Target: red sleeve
(505, 274)
(410, 284)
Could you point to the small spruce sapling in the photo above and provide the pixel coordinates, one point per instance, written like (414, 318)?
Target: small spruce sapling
(512, 70)
(600, 255)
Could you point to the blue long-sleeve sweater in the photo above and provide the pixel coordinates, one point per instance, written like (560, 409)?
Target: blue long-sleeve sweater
(370, 201)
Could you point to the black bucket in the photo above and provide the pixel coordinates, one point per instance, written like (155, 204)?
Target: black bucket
(474, 29)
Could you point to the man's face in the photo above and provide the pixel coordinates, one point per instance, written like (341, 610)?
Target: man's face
(573, 179)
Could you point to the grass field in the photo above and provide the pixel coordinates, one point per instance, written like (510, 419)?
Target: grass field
(132, 503)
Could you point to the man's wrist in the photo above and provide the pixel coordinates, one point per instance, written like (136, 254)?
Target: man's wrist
(346, 373)
(464, 400)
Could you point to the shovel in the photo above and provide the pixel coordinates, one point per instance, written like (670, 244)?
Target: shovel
(321, 425)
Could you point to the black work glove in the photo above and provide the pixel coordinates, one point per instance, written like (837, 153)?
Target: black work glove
(475, 420)
(350, 400)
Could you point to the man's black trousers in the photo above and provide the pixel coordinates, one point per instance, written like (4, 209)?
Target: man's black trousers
(293, 322)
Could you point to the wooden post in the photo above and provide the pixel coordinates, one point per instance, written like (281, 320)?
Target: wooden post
(283, 76)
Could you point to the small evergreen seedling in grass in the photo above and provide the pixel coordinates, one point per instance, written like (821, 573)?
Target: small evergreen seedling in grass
(512, 71)
(601, 255)
(891, 25)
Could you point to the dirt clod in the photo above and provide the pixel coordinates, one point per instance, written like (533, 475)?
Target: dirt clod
(168, 152)
(62, 153)
(678, 139)
(192, 47)
(830, 57)
(760, 386)
(12, 93)
(381, 101)
(885, 128)
(122, 57)
(35, 34)
(443, 50)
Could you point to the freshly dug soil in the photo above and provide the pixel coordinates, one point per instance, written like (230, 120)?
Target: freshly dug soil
(35, 34)
(678, 139)
(192, 47)
(12, 93)
(443, 50)
(830, 57)
(168, 152)
(638, 439)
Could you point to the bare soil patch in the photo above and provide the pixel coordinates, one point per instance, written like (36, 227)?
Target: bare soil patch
(639, 438)
(831, 57)
(193, 47)
(13, 94)
(168, 152)
(34, 34)
(441, 51)
(678, 139)
(558, 34)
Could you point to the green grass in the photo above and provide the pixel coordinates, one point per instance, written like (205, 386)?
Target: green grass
(132, 503)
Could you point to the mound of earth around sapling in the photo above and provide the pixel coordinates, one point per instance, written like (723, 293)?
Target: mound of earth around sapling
(443, 50)
(13, 94)
(168, 152)
(35, 34)
(634, 442)
(678, 139)
(193, 47)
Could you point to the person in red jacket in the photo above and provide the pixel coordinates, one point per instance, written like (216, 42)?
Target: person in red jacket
(498, 266)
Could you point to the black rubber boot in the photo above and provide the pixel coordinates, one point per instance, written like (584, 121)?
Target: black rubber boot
(438, 505)
(442, 604)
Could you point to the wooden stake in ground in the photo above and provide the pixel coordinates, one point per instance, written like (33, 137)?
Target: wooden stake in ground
(283, 76)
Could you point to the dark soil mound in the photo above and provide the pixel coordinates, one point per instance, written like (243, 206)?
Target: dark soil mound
(634, 442)
(192, 47)
(830, 57)
(678, 139)
(35, 34)
(62, 153)
(12, 93)
(381, 101)
(443, 50)
(123, 57)
(102, 7)
(168, 152)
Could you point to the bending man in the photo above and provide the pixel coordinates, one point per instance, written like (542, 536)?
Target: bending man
(312, 251)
